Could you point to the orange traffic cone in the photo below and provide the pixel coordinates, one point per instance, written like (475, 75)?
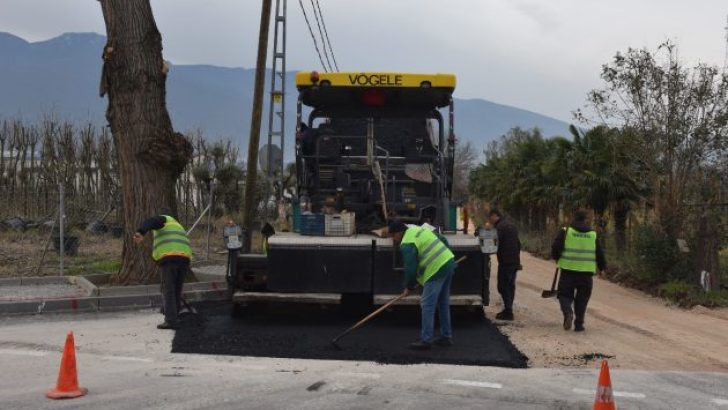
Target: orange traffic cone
(67, 386)
(605, 395)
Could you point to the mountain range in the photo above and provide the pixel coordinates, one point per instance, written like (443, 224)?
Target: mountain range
(60, 76)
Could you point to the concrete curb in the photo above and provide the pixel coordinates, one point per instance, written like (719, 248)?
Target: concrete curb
(84, 284)
(105, 299)
(35, 280)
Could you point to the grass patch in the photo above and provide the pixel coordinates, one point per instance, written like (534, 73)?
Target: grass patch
(89, 266)
(687, 295)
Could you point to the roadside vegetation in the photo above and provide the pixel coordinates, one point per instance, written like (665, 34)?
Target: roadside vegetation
(650, 159)
(37, 157)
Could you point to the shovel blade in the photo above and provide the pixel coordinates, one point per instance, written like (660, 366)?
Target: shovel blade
(548, 294)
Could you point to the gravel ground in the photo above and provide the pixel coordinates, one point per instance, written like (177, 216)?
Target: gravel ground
(306, 332)
(634, 330)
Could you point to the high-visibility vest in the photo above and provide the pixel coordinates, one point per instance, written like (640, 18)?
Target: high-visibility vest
(580, 251)
(171, 240)
(432, 253)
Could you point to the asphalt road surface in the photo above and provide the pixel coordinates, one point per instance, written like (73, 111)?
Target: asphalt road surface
(126, 363)
(305, 332)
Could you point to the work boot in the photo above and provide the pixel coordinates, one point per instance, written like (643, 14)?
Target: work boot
(443, 341)
(579, 328)
(504, 315)
(168, 325)
(568, 320)
(420, 345)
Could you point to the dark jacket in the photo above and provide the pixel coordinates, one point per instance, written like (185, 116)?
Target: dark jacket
(558, 246)
(509, 246)
(152, 224)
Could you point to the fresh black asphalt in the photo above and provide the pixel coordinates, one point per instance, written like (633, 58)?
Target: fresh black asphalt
(296, 331)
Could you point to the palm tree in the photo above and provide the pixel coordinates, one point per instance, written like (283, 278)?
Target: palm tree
(605, 175)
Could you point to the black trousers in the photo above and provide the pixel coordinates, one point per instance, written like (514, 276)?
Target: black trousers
(173, 277)
(575, 289)
(507, 284)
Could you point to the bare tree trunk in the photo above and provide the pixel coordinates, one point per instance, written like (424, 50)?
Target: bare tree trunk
(151, 154)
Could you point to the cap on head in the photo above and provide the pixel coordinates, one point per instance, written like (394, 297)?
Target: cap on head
(396, 226)
(580, 215)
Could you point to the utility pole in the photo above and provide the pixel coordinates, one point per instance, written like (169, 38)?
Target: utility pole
(276, 111)
(61, 225)
(252, 174)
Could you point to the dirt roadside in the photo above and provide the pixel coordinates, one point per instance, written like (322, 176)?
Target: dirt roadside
(639, 331)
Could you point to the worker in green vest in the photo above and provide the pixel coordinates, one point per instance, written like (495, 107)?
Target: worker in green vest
(579, 257)
(429, 262)
(171, 250)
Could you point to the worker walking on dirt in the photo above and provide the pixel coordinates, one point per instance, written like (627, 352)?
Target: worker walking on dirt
(172, 251)
(429, 262)
(509, 261)
(579, 256)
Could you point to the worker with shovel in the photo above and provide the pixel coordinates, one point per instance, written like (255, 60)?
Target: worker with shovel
(579, 257)
(429, 262)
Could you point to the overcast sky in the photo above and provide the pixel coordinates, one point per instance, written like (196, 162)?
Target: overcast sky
(541, 55)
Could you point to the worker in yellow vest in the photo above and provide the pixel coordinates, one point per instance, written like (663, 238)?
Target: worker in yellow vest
(579, 257)
(172, 252)
(429, 262)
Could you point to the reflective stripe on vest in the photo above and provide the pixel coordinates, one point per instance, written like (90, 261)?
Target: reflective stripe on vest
(432, 253)
(171, 240)
(580, 251)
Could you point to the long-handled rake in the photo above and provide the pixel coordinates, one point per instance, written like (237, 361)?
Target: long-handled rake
(334, 341)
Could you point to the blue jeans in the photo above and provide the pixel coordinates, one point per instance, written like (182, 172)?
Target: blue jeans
(436, 295)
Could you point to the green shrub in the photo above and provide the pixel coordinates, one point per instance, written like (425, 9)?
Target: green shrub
(712, 298)
(687, 295)
(658, 257)
(677, 291)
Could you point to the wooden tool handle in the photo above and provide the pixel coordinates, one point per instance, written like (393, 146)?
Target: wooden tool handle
(553, 284)
(376, 312)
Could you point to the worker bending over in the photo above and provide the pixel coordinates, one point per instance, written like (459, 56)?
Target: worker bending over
(429, 262)
(172, 252)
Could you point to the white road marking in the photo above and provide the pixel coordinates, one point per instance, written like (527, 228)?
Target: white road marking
(128, 359)
(616, 393)
(721, 402)
(243, 366)
(470, 383)
(360, 374)
(16, 352)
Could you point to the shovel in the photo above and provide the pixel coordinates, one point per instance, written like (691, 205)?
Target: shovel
(551, 293)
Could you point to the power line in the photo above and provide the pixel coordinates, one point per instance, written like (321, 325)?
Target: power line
(725, 59)
(321, 34)
(323, 23)
(313, 37)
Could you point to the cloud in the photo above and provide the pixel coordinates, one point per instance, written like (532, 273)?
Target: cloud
(540, 55)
